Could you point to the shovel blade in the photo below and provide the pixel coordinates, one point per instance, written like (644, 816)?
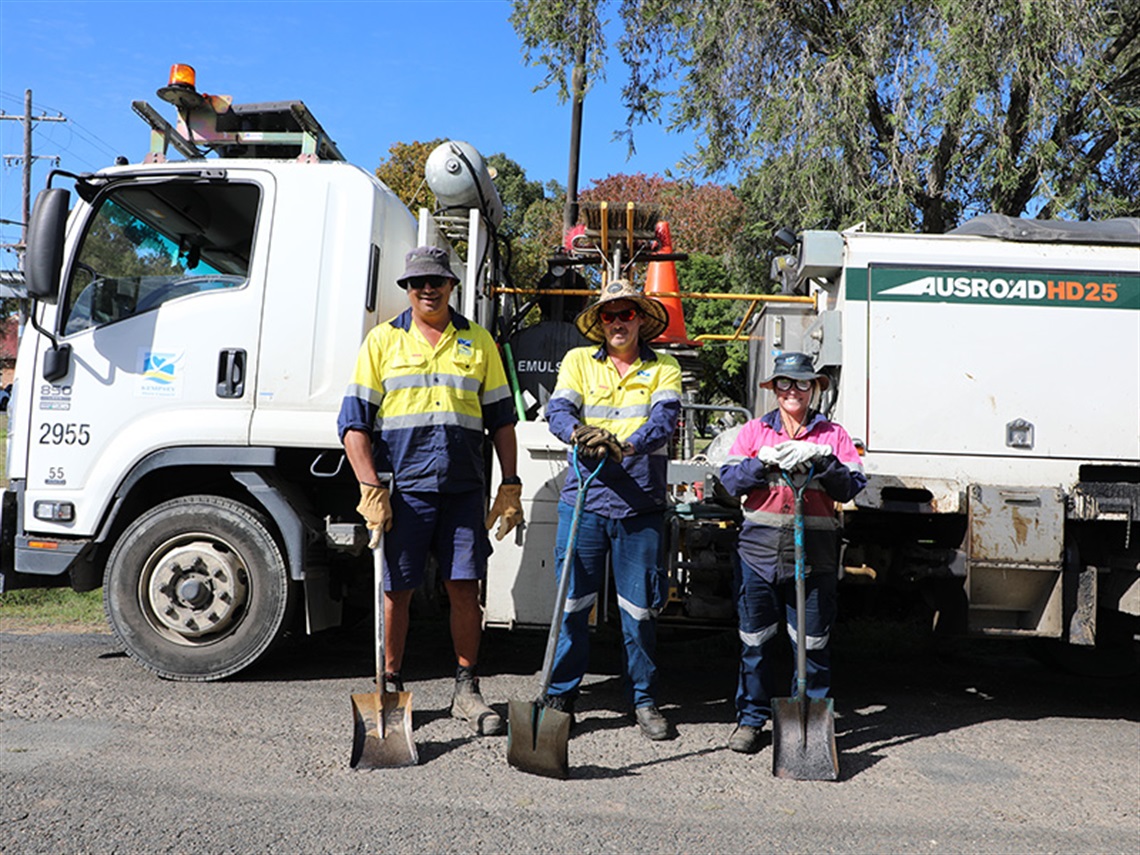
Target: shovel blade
(396, 747)
(538, 739)
(803, 739)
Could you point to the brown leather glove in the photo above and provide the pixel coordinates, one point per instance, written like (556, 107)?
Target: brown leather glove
(604, 444)
(376, 508)
(507, 509)
(594, 443)
(584, 433)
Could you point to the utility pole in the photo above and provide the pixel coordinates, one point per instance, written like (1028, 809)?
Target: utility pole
(27, 159)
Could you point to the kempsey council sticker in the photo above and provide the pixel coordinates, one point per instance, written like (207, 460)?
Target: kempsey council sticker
(160, 375)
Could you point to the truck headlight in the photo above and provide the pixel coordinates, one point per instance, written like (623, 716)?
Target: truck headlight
(54, 511)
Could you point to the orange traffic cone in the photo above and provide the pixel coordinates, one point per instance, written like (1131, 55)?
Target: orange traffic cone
(661, 278)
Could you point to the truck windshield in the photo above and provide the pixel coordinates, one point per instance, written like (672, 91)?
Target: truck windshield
(148, 244)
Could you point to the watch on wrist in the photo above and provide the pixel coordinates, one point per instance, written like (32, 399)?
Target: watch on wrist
(514, 479)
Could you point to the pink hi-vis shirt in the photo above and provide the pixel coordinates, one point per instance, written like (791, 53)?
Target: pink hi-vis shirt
(767, 539)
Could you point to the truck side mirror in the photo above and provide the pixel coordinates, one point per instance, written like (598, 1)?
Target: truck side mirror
(45, 244)
(57, 362)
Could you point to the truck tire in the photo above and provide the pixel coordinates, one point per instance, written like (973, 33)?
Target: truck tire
(196, 589)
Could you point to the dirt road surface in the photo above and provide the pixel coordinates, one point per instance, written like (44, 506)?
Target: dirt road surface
(979, 749)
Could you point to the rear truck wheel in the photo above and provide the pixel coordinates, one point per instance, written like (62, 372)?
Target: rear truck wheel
(196, 588)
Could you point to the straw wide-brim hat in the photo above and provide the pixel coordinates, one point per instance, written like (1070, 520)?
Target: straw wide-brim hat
(654, 316)
(794, 366)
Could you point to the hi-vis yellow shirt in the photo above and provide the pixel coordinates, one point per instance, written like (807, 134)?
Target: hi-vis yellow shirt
(428, 409)
(640, 408)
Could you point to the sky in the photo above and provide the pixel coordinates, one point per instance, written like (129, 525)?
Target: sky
(373, 73)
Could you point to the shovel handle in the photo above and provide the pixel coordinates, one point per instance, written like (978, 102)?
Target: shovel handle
(564, 577)
(378, 621)
(801, 589)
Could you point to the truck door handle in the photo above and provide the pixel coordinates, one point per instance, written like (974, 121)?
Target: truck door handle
(231, 373)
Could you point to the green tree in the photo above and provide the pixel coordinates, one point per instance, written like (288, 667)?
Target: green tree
(532, 219)
(403, 171)
(900, 113)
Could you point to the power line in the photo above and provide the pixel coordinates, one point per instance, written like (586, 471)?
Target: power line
(82, 131)
(28, 120)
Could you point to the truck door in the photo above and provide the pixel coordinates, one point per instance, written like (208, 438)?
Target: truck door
(161, 309)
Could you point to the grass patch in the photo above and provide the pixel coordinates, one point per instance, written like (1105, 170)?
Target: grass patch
(51, 607)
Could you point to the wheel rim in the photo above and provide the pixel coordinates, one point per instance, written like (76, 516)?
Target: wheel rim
(194, 589)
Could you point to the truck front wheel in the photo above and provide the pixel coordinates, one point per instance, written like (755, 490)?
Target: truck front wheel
(196, 588)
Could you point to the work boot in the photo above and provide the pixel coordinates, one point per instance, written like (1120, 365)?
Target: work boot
(653, 725)
(468, 705)
(745, 739)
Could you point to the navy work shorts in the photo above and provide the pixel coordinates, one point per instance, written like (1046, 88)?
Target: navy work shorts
(447, 525)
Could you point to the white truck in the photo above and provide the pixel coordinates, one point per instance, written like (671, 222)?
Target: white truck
(172, 435)
(992, 378)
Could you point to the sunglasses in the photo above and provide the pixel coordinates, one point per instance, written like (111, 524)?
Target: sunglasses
(433, 281)
(625, 316)
(786, 383)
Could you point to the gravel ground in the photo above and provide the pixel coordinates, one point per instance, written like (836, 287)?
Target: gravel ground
(979, 749)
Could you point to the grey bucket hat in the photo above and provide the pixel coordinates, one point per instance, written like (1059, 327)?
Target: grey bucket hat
(425, 261)
(794, 366)
(654, 316)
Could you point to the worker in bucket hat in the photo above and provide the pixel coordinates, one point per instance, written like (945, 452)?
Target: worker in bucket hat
(428, 388)
(794, 437)
(617, 400)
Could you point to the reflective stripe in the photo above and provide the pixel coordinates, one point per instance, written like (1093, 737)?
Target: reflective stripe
(755, 639)
(664, 395)
(364, 393)
(494, 395)
(581, 604)
(813, 642)
(635, 612)
(637, 411)
(568, 395)
(431, 381)
(774, 520)
(442, 418)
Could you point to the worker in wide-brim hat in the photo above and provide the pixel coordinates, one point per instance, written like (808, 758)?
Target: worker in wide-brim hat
(793, 438)
(617, 404)
(654, 316)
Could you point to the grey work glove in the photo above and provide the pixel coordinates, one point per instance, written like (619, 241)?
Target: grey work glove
(796, 454)
(376, 508)
(768, 456)
(507, 509)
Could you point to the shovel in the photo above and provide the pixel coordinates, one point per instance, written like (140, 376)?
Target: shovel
(538, 736)
(382, 721)
(803, 728)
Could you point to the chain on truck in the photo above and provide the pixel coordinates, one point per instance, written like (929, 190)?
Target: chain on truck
(172, 431)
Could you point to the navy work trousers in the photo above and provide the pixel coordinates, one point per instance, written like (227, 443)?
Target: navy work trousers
(634, 545)
(762, 607)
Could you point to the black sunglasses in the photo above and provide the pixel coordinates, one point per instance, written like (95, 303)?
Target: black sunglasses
(424, 281)
(786, 383)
